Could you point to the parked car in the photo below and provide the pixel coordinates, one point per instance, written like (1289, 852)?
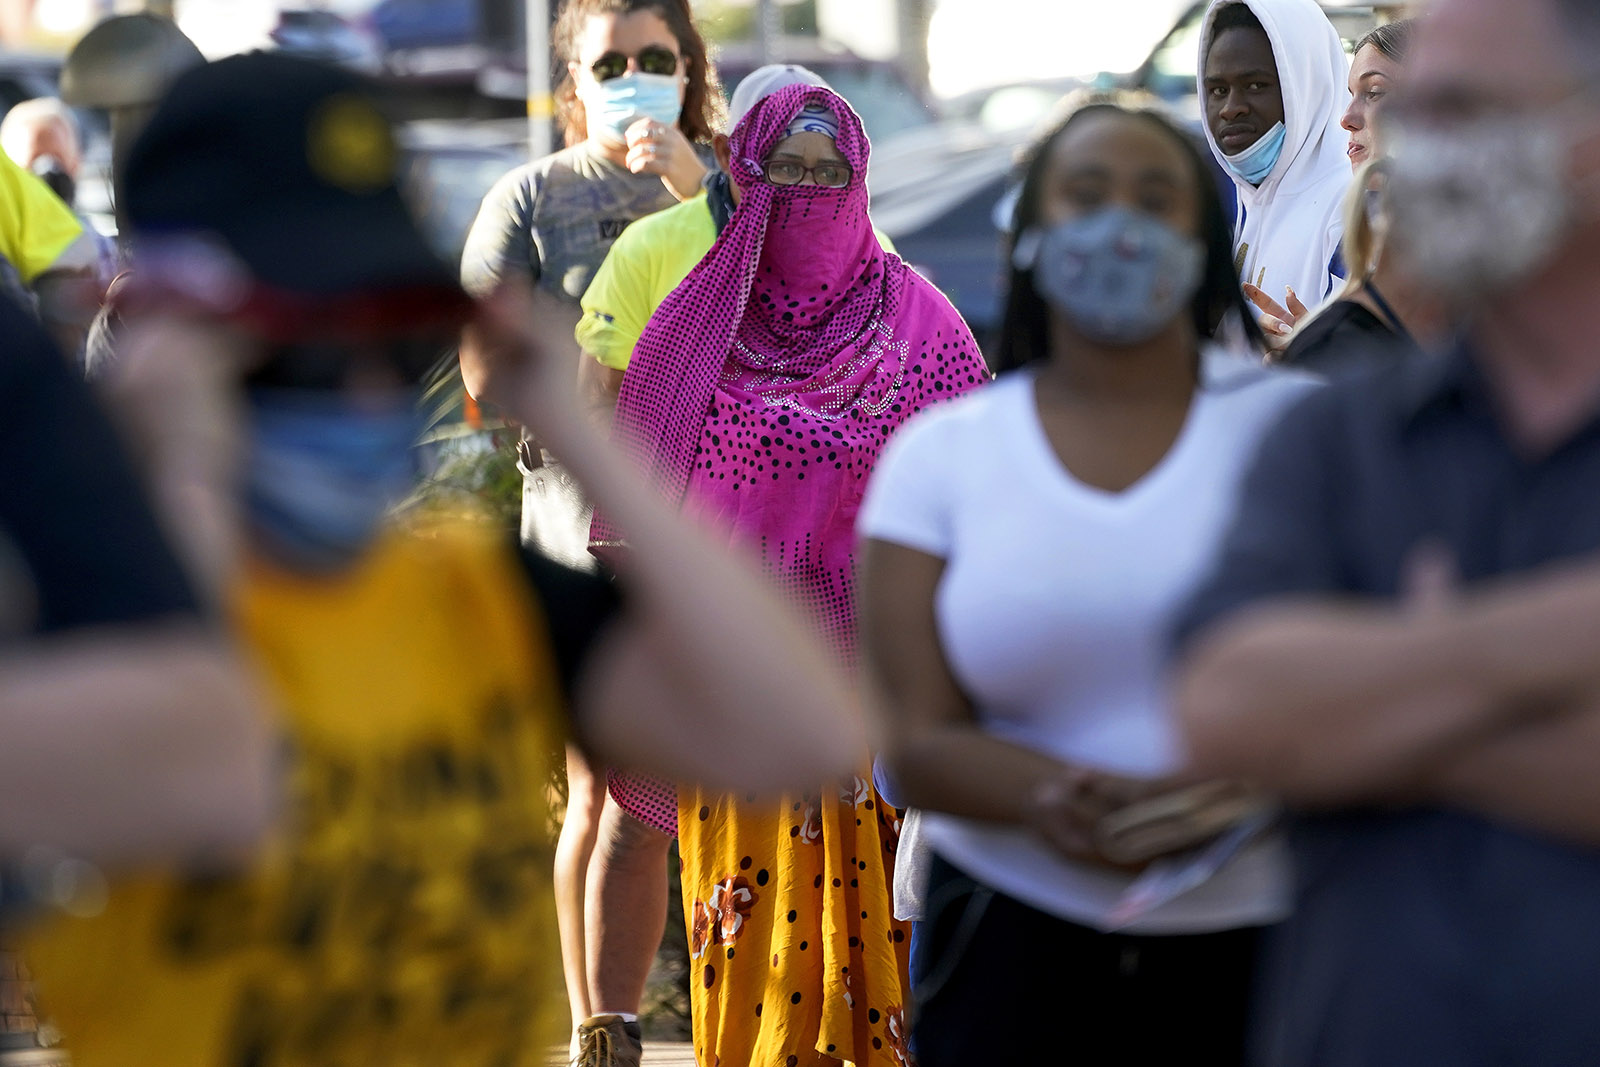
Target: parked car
(436, 41)
(934, 192)
(886, 99)
(1171, 68)
(319, 34)
(450, 165)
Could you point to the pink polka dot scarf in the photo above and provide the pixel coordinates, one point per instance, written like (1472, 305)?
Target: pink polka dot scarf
(765, 386)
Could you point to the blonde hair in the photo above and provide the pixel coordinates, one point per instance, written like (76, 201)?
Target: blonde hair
(1362, 245)
(1360, 248)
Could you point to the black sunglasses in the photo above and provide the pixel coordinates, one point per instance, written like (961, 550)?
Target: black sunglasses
(653, 59)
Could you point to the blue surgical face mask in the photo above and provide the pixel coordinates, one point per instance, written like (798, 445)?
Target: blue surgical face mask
(1117, 274)
(616, 104)
(322, 472)
(1257, 161)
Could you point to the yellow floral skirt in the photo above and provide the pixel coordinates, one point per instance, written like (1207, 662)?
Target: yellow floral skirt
(795, 957)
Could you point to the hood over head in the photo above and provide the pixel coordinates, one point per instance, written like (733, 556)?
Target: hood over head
(1313, 73)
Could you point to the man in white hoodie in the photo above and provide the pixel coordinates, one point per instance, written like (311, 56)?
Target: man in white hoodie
(1273, 86)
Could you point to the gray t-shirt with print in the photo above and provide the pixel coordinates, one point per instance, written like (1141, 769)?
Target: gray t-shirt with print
(556, 218)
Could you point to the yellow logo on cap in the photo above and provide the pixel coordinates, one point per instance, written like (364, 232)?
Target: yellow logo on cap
(350, 145)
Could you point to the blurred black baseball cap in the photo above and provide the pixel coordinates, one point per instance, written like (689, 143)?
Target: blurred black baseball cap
(291, 167)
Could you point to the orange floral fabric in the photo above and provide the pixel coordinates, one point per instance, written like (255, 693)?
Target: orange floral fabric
(795, 958)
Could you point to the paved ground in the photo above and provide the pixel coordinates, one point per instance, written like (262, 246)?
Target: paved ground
(656, 1054)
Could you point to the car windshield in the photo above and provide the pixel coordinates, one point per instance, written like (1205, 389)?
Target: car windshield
(886, 106)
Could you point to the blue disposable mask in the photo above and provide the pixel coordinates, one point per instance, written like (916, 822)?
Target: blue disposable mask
(620, 102)
(1118, 275)
(1257, 161)
(322, 472)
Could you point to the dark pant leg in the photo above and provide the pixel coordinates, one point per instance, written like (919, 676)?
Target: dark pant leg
(1186, 999)
(1002, 982)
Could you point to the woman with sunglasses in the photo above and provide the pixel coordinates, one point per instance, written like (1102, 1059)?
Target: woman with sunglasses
(1025, 551)
(759, 395)
(639, 104)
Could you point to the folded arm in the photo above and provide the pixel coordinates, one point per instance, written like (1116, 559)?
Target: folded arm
(1489, 702)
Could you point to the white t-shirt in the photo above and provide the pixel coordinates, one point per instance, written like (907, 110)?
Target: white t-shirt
(1055, 606)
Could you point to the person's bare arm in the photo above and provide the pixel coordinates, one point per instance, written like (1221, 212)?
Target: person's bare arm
(598, 387)
(131, 744)
(939, 756)
(1543, 775)
(477, 367)
(1331, 703)
(707, 676)
(493, 369)
(171, 389)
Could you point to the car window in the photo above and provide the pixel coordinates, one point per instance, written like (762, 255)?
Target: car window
(877, 92)
(887, 106)
(1175, 64)
(445, 189)
(1172, 69)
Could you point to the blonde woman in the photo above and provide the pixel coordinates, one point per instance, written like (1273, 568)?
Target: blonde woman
(1376, 316)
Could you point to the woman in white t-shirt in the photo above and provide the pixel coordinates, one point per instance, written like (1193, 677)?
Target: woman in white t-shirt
(1027, 548)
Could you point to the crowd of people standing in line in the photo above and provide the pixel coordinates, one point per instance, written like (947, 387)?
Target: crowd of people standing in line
(1227, 650)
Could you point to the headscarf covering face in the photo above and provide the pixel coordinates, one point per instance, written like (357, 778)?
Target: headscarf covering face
(795, 277)
(818, 248)
(765, 386)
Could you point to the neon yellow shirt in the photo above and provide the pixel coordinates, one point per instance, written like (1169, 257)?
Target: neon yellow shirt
(403, 914)
(649, 259)
(36, 228)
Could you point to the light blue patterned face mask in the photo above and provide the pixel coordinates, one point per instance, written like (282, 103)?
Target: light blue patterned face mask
(620, 102)
(322, 473)
(1257, 161)
(1117, 274)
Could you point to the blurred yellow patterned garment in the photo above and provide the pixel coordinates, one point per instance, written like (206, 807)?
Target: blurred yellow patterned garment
(795, 957)
(403, 917)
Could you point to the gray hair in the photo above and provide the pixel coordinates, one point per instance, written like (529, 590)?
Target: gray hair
(30, 114)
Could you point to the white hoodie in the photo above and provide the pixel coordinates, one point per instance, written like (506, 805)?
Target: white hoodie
(1290, 225)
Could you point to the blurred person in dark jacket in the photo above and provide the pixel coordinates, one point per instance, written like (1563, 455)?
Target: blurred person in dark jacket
(1399, 636)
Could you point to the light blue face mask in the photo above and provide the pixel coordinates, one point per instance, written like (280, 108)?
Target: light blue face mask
(620, 102)
(1257, 161)
(322, 473)
(1118, 275)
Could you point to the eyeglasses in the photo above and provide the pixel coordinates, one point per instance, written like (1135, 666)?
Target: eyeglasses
(828, 174)
(653, 59)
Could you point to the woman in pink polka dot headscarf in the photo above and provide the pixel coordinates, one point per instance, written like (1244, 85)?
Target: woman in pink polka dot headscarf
(760, 396)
